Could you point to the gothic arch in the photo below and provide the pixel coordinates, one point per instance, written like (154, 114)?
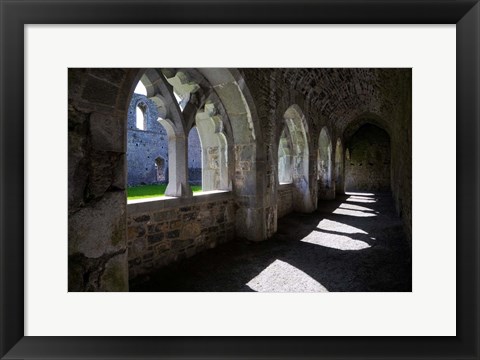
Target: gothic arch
(295, 121)
(324, 165)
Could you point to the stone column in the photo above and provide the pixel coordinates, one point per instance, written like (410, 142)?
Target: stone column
(178, 167)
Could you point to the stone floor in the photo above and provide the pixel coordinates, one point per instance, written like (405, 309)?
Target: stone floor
(355, 243)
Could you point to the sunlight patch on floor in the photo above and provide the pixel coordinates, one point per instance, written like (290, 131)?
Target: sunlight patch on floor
(330, 225)
(361, 199)
(359, 193)
(355, 207)
(280, 276)
(335, 241)
(355, 213)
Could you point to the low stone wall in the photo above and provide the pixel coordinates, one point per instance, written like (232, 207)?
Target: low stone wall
(284, 200)
(163, 231)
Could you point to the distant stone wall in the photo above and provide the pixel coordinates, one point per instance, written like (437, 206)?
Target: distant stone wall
(284, 200)
(147, 149)
(368, 166)
(164, 231)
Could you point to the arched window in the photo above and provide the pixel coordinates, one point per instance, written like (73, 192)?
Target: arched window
(195, 134)
(194, 158)
(368, 168)
(147, 151)
(296, 131)
(324, 160)
(285, 159)
(140, 89)
(213, 142)
(160, 165)
(140, 117)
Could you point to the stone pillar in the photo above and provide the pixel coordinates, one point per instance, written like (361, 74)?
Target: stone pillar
(178, 171)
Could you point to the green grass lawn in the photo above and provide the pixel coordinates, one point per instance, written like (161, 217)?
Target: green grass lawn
(149, 191)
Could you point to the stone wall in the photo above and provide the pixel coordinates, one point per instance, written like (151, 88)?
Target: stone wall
(164, 231)
(368, 165)
(147, 149)
(284, 200)
(401, 147)
(97, 251)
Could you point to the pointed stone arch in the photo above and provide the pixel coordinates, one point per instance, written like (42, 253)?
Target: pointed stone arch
(296, 123)
(324, 165)
(285, 157)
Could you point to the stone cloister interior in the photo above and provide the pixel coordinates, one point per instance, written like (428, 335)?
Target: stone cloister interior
(305, 175)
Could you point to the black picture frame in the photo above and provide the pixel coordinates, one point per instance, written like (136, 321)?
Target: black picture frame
(16, 13)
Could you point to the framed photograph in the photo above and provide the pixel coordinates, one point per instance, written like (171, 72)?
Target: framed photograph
(342, 159)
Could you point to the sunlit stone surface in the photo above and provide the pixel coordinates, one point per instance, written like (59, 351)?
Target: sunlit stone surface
(283, 277)
(331, 225)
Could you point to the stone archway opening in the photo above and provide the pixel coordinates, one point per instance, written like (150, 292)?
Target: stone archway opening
(147, 144)
(368, 162)
(296, 132)
(324, 165)
(160, 165)
(195, 166)
(285, 158)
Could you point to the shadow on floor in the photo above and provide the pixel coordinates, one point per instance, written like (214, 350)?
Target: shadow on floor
(355, 243)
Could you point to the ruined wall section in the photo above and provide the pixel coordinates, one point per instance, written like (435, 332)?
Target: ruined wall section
(97, 249)
(147, 148)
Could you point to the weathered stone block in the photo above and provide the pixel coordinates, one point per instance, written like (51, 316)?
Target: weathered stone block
(177, 224)
(100, 228)
(115, 76)
(135, 231)
(206, 221)
(181, 244)
(165, 215)
(191, 230)
(173, 234)
(142, 218)
(100, 92)
(103, 167)
(137, 248)
(162, 227)
(75, 82)
(188, 217)
(107, 132)
(115, 275)
(162, 247)
(152, 239)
